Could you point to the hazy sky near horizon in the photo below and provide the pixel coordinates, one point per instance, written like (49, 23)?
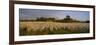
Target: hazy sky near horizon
(25, 14)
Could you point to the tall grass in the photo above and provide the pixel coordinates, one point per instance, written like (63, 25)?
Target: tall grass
(45, 28)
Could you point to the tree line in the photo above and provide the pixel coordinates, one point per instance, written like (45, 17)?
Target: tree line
(66, 19)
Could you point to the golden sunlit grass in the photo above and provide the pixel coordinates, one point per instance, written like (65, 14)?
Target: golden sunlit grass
(45, 28)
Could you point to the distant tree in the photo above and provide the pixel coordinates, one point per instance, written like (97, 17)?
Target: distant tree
(87, 21)
(45, 19)
(40, 19)
(68, 19)
(37, 19)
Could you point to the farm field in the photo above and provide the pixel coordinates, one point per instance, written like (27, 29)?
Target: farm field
(46, 28)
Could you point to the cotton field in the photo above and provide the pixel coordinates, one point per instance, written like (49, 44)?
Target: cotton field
(44, 28)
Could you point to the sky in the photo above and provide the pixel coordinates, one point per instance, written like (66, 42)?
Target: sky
(27, 14)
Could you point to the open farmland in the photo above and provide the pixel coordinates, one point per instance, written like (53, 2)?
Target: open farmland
(44, 28)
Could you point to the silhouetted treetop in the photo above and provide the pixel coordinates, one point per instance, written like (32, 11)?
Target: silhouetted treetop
(67, 17)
